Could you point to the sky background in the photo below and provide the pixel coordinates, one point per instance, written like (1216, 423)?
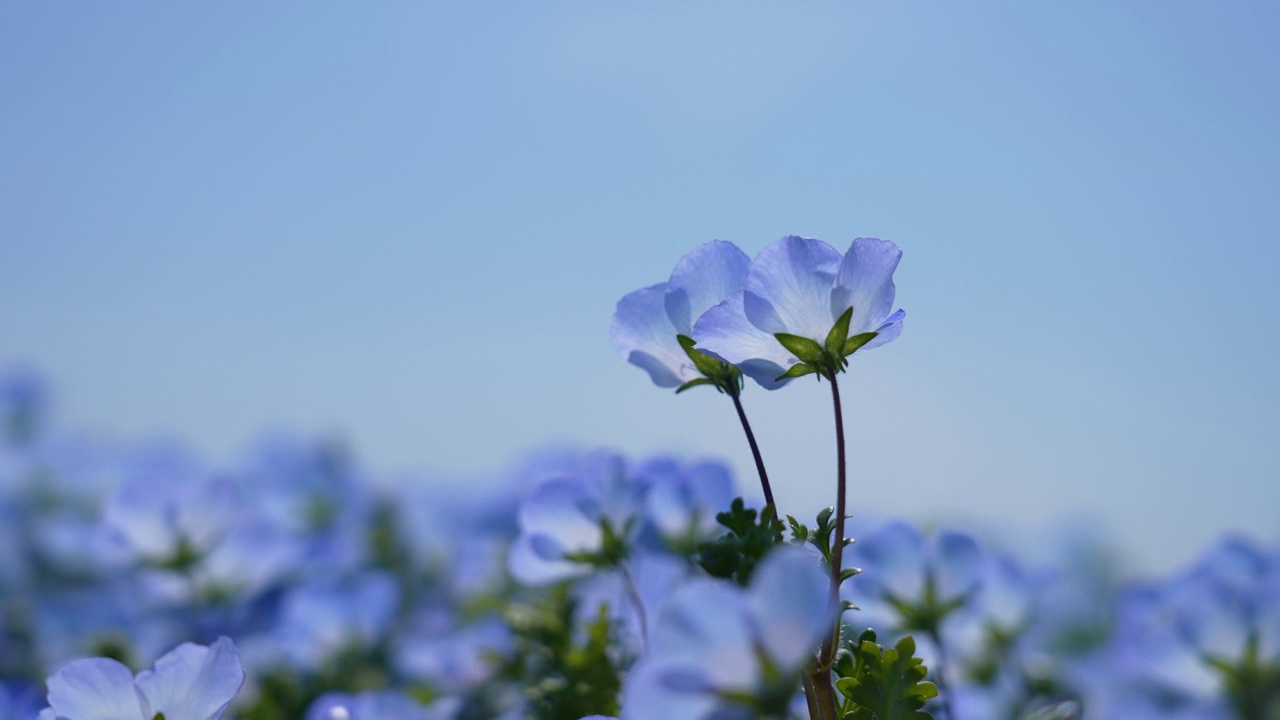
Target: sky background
(407, 224)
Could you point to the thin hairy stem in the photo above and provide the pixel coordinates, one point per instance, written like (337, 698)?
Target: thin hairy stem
(940, 674)
(633, 593)
(755, 450)
(837, 548)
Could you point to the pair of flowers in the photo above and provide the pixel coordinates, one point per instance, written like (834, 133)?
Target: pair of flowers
(767, 316)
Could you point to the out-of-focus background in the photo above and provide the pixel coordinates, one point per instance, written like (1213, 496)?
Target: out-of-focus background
(406, 225)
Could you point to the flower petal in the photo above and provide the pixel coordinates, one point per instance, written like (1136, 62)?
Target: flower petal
(790, 606)
(705, 624)
(725, 332)
(193, 682)
(704, 277)
(788, 288)
(892, 562)
(865, 283)
(888, 331)
(556, 508)
(644, 336)
(95, 689)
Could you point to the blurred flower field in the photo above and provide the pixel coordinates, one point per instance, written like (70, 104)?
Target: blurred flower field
(138, 582)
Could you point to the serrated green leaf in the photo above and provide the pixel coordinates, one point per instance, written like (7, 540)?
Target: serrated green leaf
(888, 684)
(804, 348)
(695, 383)
(839, 333)
(796, 371)
(852, 344)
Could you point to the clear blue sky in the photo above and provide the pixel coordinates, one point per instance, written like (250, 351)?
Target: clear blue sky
(407, 223)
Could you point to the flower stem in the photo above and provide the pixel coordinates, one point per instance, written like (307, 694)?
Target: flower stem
(755, 450)
(940, 674)
(633, 593)
(837, 548)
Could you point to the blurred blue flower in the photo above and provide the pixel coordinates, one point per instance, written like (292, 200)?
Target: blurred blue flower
(721, 651)
(571, 524)
(801, 287)
(327, 616)
(683, 500)
(647, 321)
(191, 682)
(1202, 640)
(910, 582)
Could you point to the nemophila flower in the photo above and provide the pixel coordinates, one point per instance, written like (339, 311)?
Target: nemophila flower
(803, 304)
(171, 523)
(909, 581)
(651, 576)
(719, 650)
(574, 523)
(191, 682)
(441, 652)
(326, 617)
(1207, 636)
(683, 500)
(648, 322)
(379, 705)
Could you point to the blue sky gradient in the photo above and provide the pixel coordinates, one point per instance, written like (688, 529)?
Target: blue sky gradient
(407, 224)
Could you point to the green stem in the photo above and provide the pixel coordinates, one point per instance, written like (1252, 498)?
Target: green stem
(837, 548)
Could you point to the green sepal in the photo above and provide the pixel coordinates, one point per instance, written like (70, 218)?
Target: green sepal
(706, 364)
(796, 371)
(695, 383)
(839, 333)
(852, 345)
(804, 348)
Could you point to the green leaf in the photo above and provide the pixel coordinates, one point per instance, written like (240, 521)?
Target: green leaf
(839, 333)
(706, 364)
(888, 684)
(852, 344)
(735, 554)
(796, 371)
(695, 383)
(804, 348)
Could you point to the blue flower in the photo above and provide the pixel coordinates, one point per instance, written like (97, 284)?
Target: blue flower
(799, 286)
(910, 582)
(574, 523)
(191, 682)
(718, 650)
(683, 500)
(648, 321)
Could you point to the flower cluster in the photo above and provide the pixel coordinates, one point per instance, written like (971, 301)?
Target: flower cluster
(137, 583)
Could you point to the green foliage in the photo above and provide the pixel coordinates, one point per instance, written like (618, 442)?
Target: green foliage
(724, 377)
(564, 680)
(822, 537)
(287, 694)
(613, 547)
(828, 358)
(839, 333)
(1252, 683)
(751, 535)
(887, 684)
(853, 344)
